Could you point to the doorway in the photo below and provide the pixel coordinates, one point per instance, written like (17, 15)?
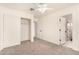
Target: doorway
(65, 29)
(25, 29)
(68, 26)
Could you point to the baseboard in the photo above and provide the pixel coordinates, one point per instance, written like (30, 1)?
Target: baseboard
(11, 45)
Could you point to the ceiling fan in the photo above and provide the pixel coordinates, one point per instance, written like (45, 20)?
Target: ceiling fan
(41, 7)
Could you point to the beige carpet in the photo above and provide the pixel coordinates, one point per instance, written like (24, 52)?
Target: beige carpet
(39, 47)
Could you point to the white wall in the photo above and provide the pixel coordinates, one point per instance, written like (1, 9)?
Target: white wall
(49, 26)
(1, 31)
(11, 26)
(32, 30)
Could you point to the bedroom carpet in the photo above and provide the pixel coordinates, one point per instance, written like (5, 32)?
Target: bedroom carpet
(38, 47)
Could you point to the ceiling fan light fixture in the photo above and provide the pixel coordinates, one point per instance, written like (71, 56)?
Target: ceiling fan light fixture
(42, 10)
(42, 7)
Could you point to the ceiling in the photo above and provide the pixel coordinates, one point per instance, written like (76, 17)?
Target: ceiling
(26, 7)
(18, 6)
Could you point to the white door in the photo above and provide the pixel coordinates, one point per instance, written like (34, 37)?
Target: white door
(62, 30)
(25, 29)
(11, 30)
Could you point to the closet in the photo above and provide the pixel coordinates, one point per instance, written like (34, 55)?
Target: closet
(25, 29)
(9, 30)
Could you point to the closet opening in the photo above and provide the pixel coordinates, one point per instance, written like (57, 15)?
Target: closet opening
(25, 29)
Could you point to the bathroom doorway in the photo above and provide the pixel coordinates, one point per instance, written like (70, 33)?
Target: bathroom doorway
(65, 29)
(68, 26)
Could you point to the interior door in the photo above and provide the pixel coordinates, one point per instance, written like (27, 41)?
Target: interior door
(25, 29)
(62, 30)
(11, 30)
